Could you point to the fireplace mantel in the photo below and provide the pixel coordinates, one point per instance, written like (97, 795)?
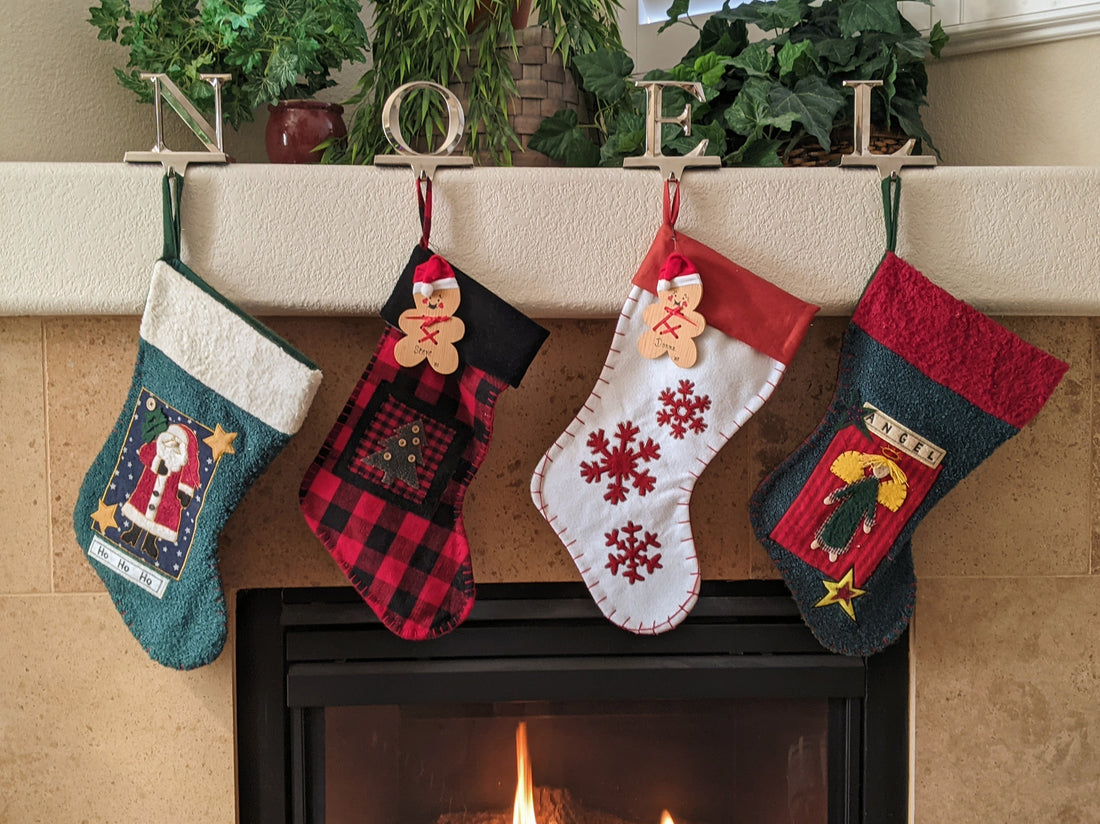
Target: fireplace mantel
(80, 238)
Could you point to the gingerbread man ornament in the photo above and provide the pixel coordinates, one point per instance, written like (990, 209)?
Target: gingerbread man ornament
(672, 323)
(431, 327)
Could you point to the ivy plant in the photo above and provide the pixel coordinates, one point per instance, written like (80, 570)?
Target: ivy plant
(763, 96)
(273, 49)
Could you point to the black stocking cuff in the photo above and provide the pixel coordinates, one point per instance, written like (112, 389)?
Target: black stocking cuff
(499, 339)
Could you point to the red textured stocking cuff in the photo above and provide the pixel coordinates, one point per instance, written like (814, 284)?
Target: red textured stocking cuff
(735, 301)
(955, 344)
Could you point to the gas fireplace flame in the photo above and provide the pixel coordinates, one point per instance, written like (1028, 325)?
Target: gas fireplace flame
(666, 818)
(523, 812)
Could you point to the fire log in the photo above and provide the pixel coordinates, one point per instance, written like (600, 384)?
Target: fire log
(552, 806)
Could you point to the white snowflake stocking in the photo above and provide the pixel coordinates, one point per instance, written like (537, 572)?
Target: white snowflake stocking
(616, 485)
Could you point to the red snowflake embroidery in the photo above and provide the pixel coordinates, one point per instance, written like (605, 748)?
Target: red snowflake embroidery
(620, 463)
(632, 554)
(683, 410)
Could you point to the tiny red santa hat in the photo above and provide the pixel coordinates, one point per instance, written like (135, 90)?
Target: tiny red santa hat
(677, 271)
(433, 274)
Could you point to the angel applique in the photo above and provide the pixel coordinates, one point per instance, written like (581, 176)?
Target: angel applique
(870, 479)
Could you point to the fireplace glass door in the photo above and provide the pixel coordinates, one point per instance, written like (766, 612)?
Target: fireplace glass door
(761, 760)
(538, 711)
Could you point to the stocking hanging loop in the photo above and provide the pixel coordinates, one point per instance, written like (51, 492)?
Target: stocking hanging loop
(424, 206)
(172, 190)
(671, 201)
(891, 201)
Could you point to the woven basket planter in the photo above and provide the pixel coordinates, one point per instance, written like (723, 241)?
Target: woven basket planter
(543, 87)
(809, 151)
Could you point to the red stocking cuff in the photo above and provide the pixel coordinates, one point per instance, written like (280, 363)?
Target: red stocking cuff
(735, 301)
(955, 344)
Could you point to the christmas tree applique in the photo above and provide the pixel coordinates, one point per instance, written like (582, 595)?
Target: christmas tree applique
(400, 455)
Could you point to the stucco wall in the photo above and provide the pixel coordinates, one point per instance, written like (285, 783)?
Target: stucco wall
(79, 238)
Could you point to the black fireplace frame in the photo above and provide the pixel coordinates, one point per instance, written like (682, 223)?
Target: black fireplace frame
(300, 649)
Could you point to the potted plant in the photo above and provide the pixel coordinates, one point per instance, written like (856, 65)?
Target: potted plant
(468, 41)
(770, 100)
(275, 50)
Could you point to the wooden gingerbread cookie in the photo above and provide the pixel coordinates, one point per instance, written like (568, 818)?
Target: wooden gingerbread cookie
(431, 327)
(671, 322)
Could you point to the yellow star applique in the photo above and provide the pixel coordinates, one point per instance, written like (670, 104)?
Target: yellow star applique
(104, 516)
(221, 442)
(842, 592)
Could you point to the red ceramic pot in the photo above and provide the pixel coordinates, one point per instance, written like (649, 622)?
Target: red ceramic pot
(297, 126)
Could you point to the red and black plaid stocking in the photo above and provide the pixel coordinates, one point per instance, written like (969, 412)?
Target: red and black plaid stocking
(385, 492)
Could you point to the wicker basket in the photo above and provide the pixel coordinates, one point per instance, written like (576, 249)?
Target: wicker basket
(809, 152)
(543, 84)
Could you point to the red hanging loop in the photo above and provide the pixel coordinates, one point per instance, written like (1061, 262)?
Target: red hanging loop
(672, 203)
(424, 205)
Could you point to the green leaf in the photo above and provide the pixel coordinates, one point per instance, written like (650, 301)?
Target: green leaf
(756, 151)
(710, 68)
(604, 73)
(862, 16)
(773, 15)
(282, 67)
(888, 79)
(721, 37)
(751, 112)
(713, 133)
(678, 8)
(582, 152)
(755, 60)
(626, 137)
(910, 49)
(798, 59)
(252, 9)
(908, 116)
(561, 138)
(837, 50)
(937, 39)
(106, 17)
(873, 58)
(813, 103)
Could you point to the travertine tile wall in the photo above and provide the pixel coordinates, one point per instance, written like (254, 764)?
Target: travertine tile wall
(1005, 643)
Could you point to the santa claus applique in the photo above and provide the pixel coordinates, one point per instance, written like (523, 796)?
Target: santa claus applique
(165, 489)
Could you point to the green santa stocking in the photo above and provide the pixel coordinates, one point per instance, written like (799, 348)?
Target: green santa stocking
(215, 396)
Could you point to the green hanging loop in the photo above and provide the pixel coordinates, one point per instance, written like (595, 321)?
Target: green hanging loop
(171, 197)
(890, 207)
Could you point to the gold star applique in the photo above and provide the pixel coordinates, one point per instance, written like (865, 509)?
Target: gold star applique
(842, 592)
(104, 517)
(221, 442)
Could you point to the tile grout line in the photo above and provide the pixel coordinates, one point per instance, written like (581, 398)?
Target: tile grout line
(66, 592)
(1092, 445)
(46, 454)
(913, 632)
(1054, 576)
